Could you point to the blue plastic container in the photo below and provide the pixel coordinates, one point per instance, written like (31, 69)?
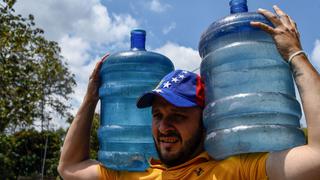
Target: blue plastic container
(250, 96)
(125, 136)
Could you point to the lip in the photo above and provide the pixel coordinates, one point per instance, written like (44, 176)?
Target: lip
(169, 140)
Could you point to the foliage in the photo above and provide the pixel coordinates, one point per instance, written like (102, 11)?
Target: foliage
(21, 154)
(305, 131)
(35, 83)
(7, 163)
(94, 142)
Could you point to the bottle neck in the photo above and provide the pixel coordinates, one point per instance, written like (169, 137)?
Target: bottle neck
(238, 6)
(138, 39)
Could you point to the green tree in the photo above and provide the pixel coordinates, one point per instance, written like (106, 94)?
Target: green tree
(94, 142)
(21, 154)
(6, 161)
(34, 84)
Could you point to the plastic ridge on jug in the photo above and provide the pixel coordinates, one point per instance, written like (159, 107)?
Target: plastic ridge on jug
(250, 96)
(125, 136)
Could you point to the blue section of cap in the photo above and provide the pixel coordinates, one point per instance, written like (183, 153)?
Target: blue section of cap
(178, 88)
(146, 99)
(176, 99)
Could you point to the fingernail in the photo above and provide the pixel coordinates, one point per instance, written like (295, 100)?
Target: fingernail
(253, 23)
(260, 9)
(275, 6)
(105, 57)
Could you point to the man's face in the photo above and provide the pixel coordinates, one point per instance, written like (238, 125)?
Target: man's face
(177, 132)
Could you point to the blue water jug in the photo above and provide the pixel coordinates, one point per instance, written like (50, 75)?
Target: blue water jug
(250, 96)
(125, 134)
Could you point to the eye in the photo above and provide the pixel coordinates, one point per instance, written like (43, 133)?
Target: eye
(179, 117)
(156, 116)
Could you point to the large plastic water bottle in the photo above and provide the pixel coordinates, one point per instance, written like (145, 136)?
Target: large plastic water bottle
(125, 136)
(250, 96)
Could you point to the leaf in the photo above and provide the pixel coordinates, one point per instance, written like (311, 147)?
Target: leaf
(32, 72)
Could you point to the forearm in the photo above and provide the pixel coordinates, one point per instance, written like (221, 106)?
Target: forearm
(308, 83)
(302, 162)
(74, 160)
(76, 145)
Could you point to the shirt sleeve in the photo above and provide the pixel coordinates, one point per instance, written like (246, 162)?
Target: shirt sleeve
(253, 166)
(106, 174)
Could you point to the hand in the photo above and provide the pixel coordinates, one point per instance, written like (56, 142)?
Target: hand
(94, 81)
(285, 33)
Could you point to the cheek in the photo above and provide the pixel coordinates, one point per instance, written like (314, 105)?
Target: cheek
(189, 131)
(154, 129)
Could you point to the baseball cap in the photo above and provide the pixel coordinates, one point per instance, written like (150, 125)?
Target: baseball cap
(180, 88)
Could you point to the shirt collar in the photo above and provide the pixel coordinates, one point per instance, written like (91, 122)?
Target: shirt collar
(202, 157)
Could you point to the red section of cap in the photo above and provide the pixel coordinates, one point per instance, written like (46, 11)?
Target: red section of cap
(200, 92)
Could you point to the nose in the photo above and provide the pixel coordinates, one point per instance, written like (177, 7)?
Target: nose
(165, 125)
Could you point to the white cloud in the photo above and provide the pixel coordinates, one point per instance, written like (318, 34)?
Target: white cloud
(158, 7)
(182, 57)
(315, 56)
(84, 30)
(87, 19)
(74, 49)
(166, 30)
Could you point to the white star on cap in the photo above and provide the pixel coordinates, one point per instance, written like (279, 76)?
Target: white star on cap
(185, 72)
(158, 90)
(167, 84)
(181, 76)
(175, 80)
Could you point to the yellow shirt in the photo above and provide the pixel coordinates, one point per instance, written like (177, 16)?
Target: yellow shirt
(245, 166)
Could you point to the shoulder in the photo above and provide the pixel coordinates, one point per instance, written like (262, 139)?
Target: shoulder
(244, 166)
(106, 173)
(253, 165)
(254, 158)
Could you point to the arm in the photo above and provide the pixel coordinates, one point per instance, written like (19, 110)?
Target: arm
(74, 160)
(301, 162)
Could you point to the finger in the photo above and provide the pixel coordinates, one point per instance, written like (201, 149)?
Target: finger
(96, 69)
(278, 11)
(263, 26)
(284, 18)
(294, 25)
(294, 28)
(99, 63)
(104, 58)
(270, 16)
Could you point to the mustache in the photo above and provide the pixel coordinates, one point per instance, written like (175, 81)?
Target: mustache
(169, 134)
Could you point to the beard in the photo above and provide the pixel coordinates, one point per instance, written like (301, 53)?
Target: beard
(186, 153)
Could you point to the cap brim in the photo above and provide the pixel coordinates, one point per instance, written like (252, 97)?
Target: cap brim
(146, 99)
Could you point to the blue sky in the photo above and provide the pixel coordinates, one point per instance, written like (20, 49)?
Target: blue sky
(86, 29)
(189, 19)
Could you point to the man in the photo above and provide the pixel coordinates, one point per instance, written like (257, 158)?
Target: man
(178, 132)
